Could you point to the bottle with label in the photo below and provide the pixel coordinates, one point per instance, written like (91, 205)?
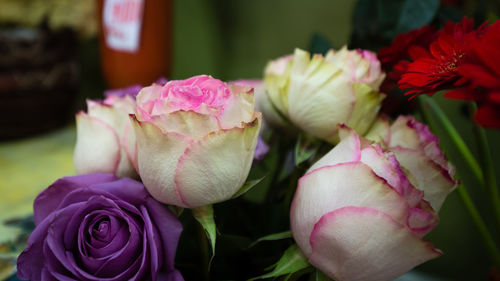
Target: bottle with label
(135, 41)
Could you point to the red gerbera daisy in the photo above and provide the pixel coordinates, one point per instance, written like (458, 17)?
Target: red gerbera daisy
(482, 71)
(395, 58)
(437, 68)
(391, 55)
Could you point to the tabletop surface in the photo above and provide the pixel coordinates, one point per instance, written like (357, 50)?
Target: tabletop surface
(27, 167)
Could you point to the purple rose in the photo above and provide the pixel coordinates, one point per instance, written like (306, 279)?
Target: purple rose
(99, 227)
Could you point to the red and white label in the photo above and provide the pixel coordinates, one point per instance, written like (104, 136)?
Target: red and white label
(122, 21)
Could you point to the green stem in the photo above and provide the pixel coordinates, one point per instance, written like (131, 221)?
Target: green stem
(204, 252)
(480, 224)
(489, 172)
(455, 137)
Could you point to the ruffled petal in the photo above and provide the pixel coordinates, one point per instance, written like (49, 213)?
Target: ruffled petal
(145, 101)
(157, 157)
(239, 109)
(403, 135)
(431, 178)
(188, 123)
(214, 168)
(359, 244)
(347, 150)
(315, 88)
(387, 167)
(422, 219)
(366, 108)
(347, 184)
(115, 114)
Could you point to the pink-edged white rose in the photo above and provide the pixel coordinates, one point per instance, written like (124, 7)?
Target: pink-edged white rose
(357, 217)
(105, 138)
(196, 139)
(418, 152)
(315, 94)
(362, 66)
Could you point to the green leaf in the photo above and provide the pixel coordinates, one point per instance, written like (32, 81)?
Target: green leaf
(292, 261)
(377, 22)
(247, 186)
(205, 216)
(273, 237)
(305, 148)
(415, 14)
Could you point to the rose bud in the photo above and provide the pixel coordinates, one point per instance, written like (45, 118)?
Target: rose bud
(417, 150)
(317, 93)
(99, 227)
(196, 139)
(105, 138)
(356, 216)
(361, 65)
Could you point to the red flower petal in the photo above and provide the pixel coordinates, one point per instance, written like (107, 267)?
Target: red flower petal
(399, 48)
(439, 71)
(461, 94)
(488, 116)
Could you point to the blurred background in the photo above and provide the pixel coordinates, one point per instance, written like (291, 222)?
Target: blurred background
(54, 55)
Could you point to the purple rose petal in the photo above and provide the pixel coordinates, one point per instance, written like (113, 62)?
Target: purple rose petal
(48, 200)
(131, 90)
(168, 226)
(260, 150)
(96, 227)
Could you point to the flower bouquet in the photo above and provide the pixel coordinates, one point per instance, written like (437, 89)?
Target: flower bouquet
(305, 174)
